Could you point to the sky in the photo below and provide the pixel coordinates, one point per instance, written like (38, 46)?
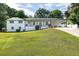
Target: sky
(30, 8)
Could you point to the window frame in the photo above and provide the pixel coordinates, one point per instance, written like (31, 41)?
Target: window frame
(33, 22)
(26, 24)
(12, 28)
(20, 21)
(20, 27)
(11, 21)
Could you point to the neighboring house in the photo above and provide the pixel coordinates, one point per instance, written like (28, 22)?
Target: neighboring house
(29, 23)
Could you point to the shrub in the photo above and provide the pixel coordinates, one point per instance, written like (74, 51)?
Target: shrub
(37, 27)
(49, 25)
(17, 30)
(23, 30)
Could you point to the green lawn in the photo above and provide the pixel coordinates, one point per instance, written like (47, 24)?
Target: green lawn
(48, 42)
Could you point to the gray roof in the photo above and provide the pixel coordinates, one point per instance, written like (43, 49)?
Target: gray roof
(15, 18)
(47, 19)
(43, 19)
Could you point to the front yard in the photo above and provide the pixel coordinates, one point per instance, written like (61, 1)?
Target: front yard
(48, 42)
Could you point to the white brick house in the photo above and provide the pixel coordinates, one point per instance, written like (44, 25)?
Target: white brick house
(30, 23)
(15, 23)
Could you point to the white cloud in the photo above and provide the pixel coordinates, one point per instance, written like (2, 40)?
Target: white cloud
(28, 12)
(41, 6)
(29, 5)
(2, 1)
(48, 5)
(13, 5)
(16, 6)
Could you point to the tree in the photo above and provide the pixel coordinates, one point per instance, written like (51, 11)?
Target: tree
(74, 13)
(3, 15)
(20, 14)
(72, 17)
(11, 12)
(55, 14)
(77, 18)
(41, 13)
(67, 14)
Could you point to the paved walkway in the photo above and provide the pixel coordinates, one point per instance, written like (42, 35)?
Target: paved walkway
(73, 31)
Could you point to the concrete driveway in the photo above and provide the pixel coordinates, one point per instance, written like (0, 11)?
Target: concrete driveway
(73, 31)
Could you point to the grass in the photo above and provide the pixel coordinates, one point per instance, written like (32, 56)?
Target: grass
(48, 42)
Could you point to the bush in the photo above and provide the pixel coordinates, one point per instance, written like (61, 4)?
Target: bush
(17, 30)
(37, 27)
(49, 25)
(23, 30)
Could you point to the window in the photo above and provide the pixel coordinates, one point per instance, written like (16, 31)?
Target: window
(11, 21)
(28, 22)
(40, 23)
(33, 23)
(26, 25)
(20, 21)
(12, 28)
(46, 23)
(19, 27)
